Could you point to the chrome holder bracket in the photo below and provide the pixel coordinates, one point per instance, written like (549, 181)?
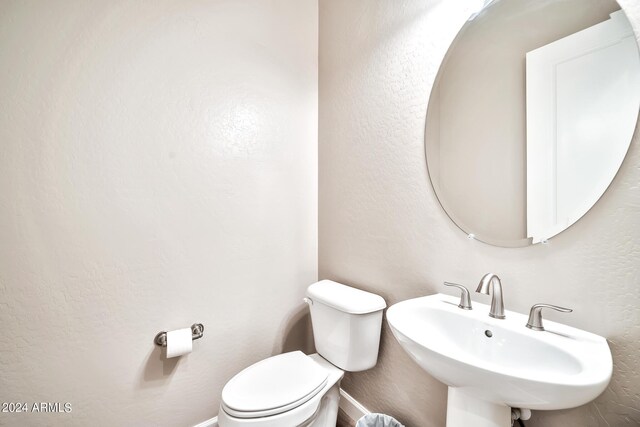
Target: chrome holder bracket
(197, 331)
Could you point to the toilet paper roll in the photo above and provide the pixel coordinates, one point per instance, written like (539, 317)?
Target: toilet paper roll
(179, 342)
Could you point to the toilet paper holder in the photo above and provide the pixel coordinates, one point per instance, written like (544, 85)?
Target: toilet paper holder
(197, 331)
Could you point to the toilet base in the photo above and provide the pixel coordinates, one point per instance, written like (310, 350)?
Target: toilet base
(327, 415)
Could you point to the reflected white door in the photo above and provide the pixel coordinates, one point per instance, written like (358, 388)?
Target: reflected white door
(583, 97)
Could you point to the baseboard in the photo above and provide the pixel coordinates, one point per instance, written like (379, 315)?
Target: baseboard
(211, 422)
(354, 409)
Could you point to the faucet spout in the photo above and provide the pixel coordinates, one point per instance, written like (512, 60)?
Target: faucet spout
(490, 285)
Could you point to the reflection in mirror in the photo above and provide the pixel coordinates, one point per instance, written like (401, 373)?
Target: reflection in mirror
(531, 115)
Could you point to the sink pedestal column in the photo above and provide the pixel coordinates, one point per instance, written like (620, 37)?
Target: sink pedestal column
(464, 410)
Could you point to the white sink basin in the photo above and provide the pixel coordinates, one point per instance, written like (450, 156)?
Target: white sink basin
(559, 368)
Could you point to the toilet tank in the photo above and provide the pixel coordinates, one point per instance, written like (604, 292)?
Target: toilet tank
(346, 324)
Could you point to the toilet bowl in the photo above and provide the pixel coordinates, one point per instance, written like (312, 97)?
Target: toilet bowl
(288, 404)
(298, 390)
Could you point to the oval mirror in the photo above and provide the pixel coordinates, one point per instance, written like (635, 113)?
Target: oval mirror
(531, 115)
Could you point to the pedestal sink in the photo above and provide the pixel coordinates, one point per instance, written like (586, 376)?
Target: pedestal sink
(492, 365)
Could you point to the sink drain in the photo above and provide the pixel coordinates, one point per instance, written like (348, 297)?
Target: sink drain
(488, 333)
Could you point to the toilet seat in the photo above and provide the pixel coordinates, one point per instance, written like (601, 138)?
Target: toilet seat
(273, 386)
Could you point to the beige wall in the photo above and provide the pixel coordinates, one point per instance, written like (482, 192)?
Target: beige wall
(158, 168)
(382, 229)
(482, 80)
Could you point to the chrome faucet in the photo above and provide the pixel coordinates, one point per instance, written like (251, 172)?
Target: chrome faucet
(490, 283)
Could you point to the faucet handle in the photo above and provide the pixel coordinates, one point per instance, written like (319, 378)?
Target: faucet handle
(465, 299)
(535, 315)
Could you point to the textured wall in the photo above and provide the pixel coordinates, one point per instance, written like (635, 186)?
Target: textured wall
(158, 168)
(382, 229)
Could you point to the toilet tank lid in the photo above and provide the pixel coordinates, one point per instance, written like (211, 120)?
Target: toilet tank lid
(345, 298)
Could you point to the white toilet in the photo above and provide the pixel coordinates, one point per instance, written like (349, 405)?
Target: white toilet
(296, 390)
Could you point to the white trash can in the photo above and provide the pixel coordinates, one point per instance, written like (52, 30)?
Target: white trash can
(378, 420)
